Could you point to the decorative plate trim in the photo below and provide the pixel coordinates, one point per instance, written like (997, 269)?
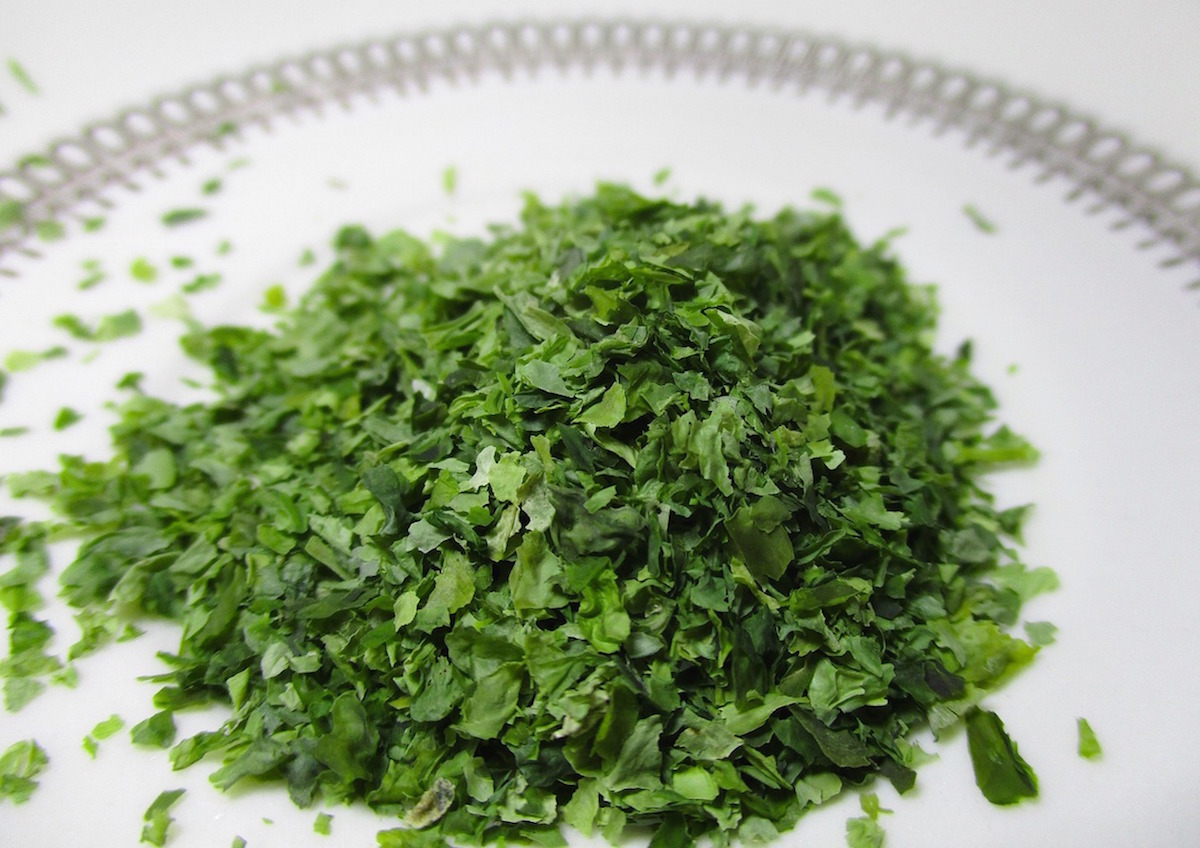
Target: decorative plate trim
(1105, 167)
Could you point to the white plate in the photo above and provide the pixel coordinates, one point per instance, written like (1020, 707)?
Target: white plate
(1105, 344)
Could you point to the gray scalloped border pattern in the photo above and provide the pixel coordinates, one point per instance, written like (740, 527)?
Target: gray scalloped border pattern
(1106, 169)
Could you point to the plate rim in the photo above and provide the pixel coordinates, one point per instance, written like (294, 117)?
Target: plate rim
(1105, 168)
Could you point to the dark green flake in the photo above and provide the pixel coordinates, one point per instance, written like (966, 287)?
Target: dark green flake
(1003, 776)
(634, 514)
(158, 731)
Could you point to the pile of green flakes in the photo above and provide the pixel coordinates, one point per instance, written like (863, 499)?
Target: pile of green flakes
(636, 514)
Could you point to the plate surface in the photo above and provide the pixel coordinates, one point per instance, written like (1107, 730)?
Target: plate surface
(1092, 347)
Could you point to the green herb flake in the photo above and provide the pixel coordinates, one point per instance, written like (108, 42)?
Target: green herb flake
(322, 824)
(275, 299)
(827, 196)
(224, 247)
(1089, 745)
(143, 271)
(20, 765)
(109, 328)
(93, 223)
(661, 176)
(182, 262)
(24, 360)
(238, 842)
(863, 832)
(12, 432)
(212, 186)
(157, 731)
(981, 222)
(203, 282)
(93, 279)
(157, 817)
(176, 217)
(12, 214)
(66, 417)
(100, 732)
(450, 179)
(22, 76)
(1041, 633)
(1001, 773)
(49, 230)
(640, 513)
(308, 257)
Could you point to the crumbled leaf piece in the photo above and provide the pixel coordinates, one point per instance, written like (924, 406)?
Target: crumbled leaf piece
(176, 217)
(1002, 775)
(12, 432)
(274, 299)
(308, 257)
(1041, 633)
(49, 230)
(143, 271)
(981, 222)
(432, 805)
(93, 223)
(224, 247)
(118, 326)
(66, 417)
(12, 213)
(75, 326)
(238, 842)
(450, 179)
(24, 360)
(131, 381)
(864, 832)
(20, 765)
(661, 176)
(211, 186)
(322, 824)
(827, 196)
(94, 278)
(100, 732)
(22, 76)
(1089, 745)
(158, 818)
(157, 731)
(202, 282)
